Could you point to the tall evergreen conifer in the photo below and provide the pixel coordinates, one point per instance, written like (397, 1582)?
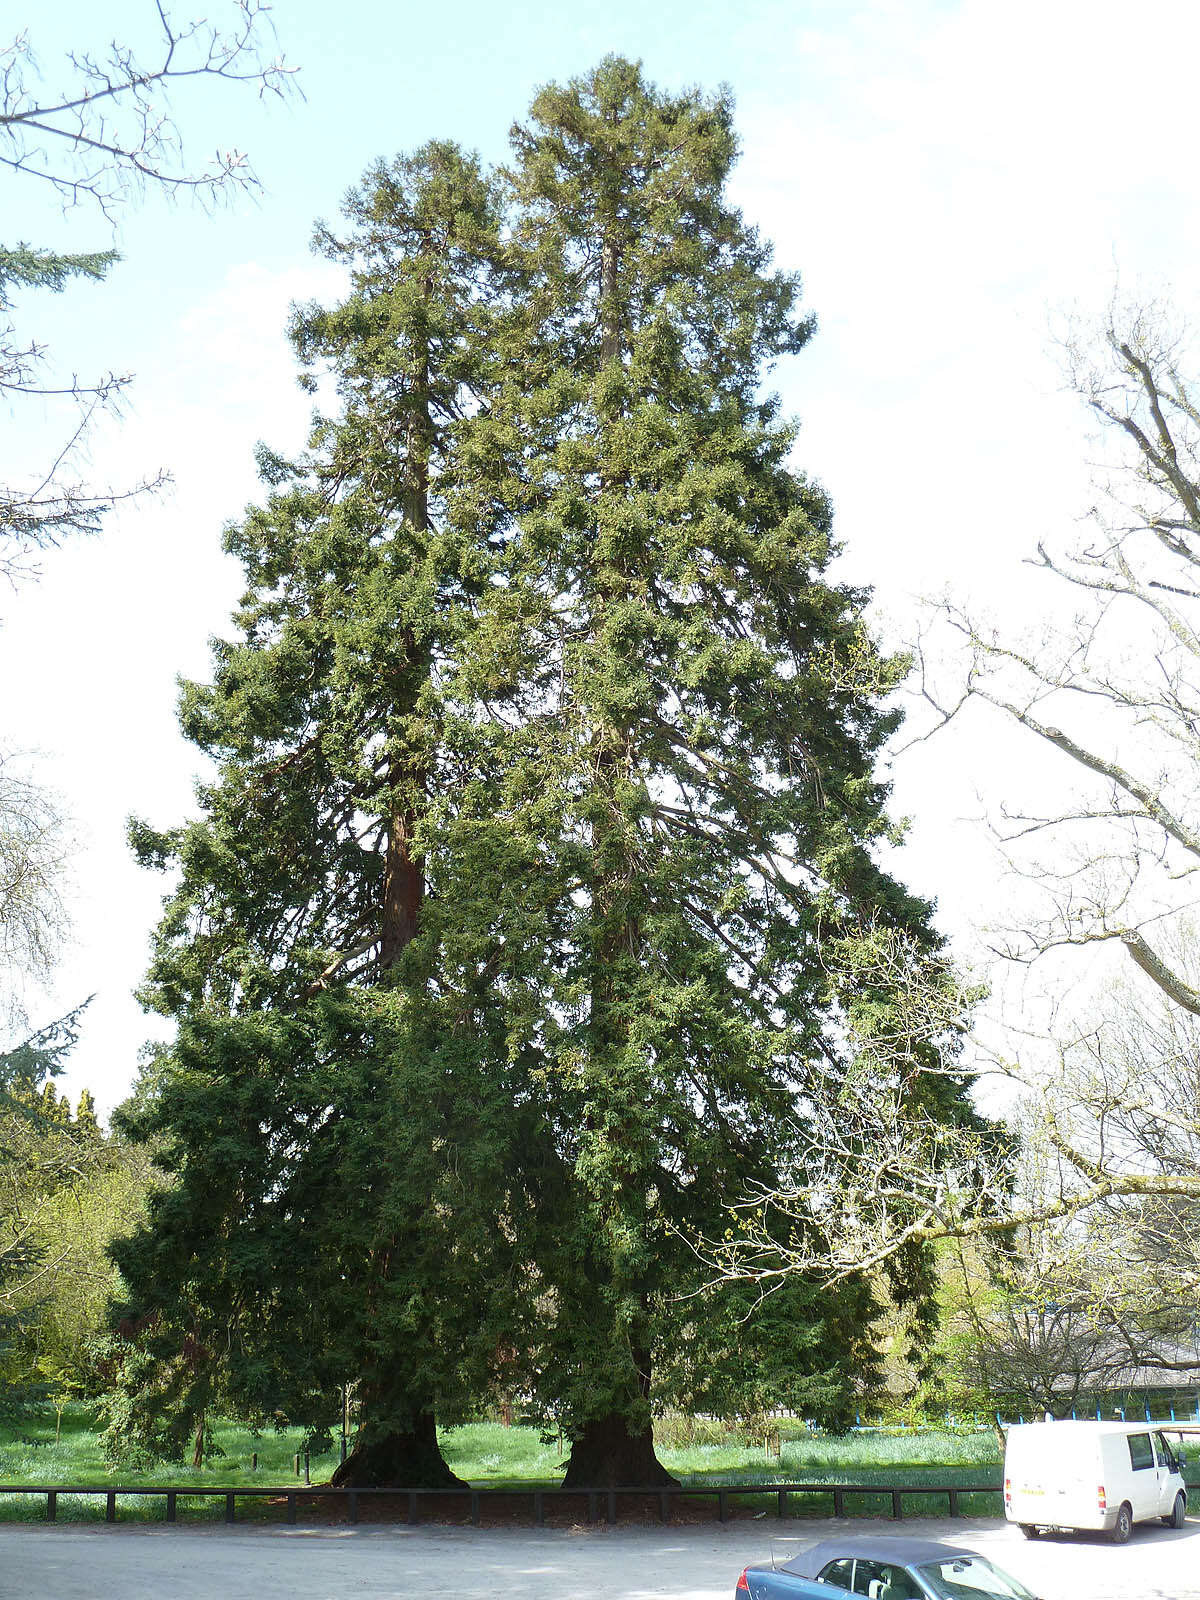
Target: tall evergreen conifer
(334, 1095)
(701, 715)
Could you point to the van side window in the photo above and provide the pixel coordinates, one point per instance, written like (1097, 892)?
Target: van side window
(1166, 1455)
(1140, 1453)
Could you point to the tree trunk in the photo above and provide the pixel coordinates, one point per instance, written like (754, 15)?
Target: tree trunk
(403, 882)
(610, 310)
(607, 1456)
(198, 1451)
(385, 1458)
(605, 1453)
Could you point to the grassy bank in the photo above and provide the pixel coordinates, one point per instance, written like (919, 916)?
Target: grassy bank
(29, 1453)
(491, 1456)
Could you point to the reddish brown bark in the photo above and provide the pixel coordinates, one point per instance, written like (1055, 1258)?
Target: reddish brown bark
(403, 887)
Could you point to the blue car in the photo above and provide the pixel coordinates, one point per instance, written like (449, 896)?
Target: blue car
(882, 1568)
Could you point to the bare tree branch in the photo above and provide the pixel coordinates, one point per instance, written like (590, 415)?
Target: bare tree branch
(1105, 1177)
(108, 133)
(104, 136)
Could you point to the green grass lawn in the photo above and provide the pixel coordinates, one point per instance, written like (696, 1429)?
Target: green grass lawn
(497, 1457)
(492, 1456)
(30, 1454)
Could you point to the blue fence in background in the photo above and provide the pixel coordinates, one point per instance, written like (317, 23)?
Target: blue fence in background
(1114, 1413)
(1123, 1414)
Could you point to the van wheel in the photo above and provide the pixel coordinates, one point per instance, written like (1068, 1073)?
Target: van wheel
(1123, 1526)
(1028, 1530)
(1179, 1514)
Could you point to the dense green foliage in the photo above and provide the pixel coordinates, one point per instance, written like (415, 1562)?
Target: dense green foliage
(66, 1189)
(700, 709)
(338, 1111)
(522, 921)
(23, 1068)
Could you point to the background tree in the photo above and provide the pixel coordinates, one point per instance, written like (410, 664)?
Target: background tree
(100, 137)
(693, 767)
(33, 851)
(1024, 1335)
(66, 1189)
(1109, 865)
(1110, 861)
(1110, 1088)
(103, 135)
(33, 1161)
(1065, 1310)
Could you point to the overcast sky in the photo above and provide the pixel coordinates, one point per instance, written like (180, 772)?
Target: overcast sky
(949, 178)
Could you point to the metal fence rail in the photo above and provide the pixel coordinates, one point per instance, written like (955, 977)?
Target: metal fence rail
(538, 1496)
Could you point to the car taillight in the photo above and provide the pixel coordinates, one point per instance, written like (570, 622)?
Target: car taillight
(743, 1586)
(1008, 1491)
(1101, 1498)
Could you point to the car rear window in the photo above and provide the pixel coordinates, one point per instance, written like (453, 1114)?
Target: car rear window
(1140, 1452)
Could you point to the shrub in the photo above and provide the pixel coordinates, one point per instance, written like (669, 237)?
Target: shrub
(676, 1431)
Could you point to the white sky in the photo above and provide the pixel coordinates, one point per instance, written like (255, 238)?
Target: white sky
(945, 176)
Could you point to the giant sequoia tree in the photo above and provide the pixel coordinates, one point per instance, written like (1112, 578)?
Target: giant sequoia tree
(701, 711)
(327, 1107)
(524, 925)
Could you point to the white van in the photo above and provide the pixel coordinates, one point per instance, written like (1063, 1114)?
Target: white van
(1091, 1475)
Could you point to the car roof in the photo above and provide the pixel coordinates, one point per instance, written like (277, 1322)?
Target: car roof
(904, 1552)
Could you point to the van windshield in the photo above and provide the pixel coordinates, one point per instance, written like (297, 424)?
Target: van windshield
(971, 1578)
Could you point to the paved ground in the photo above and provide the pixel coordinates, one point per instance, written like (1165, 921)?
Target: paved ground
(88, 1562)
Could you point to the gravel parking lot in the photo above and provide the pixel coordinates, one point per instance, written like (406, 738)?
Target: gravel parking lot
(88, 1562)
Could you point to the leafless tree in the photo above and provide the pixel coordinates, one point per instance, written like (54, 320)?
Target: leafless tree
(95, 136)
(1068, 1238)
(1115, 1097)
(1107, 1298)
(33, 852)
(98, 136)
(1015, 1334)
(1116, 687)
(106, 132)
